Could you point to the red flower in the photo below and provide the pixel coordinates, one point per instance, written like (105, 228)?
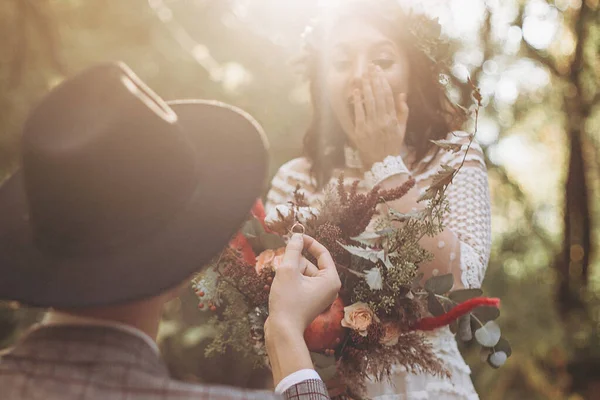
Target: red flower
(240, 243)
(258, 212)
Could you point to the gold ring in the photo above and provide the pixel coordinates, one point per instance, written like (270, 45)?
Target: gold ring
(298, 225)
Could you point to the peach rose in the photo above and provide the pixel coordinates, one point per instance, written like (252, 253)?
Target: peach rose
(269, 259)
(358, 317)
(391, 334)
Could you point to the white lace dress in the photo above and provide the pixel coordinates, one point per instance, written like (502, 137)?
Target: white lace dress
(469, 219)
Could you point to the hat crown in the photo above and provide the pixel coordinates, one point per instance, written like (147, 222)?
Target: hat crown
(104, 161)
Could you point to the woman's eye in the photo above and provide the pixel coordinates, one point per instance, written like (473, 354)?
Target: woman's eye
(384, 63)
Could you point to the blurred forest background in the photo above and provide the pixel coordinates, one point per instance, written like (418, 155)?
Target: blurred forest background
(537, 63)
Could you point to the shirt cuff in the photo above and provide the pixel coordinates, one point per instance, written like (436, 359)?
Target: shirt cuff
(295, 378)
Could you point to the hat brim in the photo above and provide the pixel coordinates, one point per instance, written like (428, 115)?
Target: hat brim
(233, 167)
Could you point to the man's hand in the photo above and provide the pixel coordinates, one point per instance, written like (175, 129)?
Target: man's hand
(300, 292)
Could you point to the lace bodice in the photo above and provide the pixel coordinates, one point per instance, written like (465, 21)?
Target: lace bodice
(469, 219)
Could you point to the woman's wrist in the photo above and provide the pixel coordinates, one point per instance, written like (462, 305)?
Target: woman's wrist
(382, 170)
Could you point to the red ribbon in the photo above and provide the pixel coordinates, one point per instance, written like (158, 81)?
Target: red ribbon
(431, 323)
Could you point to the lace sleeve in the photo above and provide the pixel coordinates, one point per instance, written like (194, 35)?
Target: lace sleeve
(470, 214)
(285, 181)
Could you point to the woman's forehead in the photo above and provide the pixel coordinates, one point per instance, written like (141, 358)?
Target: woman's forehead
(356, 33)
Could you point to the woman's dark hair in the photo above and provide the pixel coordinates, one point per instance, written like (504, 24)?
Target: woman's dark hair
(432, 115)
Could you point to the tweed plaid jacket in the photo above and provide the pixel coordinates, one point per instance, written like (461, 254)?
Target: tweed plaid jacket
(93, 363)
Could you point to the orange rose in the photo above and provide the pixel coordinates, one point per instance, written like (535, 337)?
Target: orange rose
(391, 334)
(358, 317)
(269, 259)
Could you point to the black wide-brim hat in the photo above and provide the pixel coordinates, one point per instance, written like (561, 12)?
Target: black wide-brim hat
(120, 195)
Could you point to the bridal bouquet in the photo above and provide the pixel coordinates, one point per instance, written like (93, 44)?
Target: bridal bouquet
(384, 306)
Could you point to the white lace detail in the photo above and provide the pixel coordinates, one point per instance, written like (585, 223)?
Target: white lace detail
(470, 219)
(380, 171)
(471, 276)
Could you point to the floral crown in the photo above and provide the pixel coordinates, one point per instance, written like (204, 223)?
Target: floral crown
(424, 33)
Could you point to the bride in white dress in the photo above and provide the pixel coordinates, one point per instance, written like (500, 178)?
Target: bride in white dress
(377, 103)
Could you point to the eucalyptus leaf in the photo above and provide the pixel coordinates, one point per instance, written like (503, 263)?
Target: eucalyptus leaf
(440, 284)
(464, 294)
(488, 335)
(497, 359)
(434, 306)
(485, 314)
(271, 241)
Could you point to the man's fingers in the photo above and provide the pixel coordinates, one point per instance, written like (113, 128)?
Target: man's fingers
(318, 251)
(292, 258)
(309, 269)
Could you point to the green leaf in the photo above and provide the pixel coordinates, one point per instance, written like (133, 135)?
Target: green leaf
(321, 360)
(193, 336)
(504, 346)
(401, 217)
(428, 195)
(448, 145)
(252, 228)
(386, 232)
(434, 306)
(440, 284)
(367, 254)
(485, 314)
(272, 241)
(464, 294)
(367, 238)
(443, 178)
(488, 335)
(386, 259)
(324, 365)
(256, 244)
(416, 282)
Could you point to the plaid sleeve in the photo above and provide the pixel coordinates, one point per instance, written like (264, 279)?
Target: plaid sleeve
(312, 389)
